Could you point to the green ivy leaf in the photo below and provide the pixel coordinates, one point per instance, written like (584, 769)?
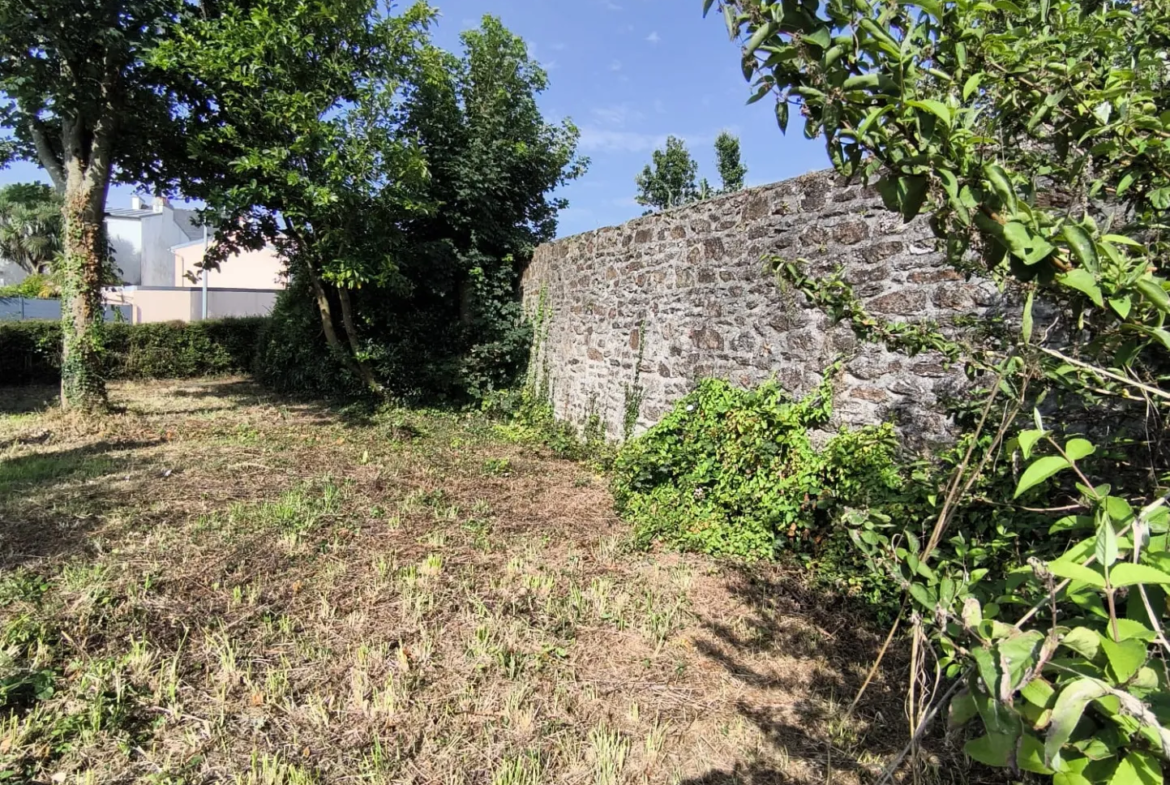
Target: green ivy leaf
(1039, 471)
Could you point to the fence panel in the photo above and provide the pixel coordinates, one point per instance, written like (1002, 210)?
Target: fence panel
(24, 308)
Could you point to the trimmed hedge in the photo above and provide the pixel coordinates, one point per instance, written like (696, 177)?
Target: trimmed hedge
(30, 352)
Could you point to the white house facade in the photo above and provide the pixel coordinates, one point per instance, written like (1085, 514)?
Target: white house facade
(141, 239)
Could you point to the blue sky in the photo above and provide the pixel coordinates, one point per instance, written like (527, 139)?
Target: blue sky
(628, 72)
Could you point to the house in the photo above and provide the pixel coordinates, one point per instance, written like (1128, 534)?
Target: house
(141, 239)
(246, 284)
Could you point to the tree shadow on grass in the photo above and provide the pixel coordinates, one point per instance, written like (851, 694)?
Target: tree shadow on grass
(805, 719)
(50, 501)
(27, 399)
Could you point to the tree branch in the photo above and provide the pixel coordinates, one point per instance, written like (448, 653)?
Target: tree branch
(47, 155)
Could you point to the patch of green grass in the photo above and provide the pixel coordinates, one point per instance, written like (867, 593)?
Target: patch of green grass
(25, 470)
(497, 467)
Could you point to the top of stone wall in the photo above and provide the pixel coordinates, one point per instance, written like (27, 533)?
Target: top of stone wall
(822, 180)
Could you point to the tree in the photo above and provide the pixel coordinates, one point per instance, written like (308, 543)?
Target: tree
(669, 180)
(30, 226)
(731, 170)
(304, 151)
(1035, 136)
(493, 161)
(72, 73)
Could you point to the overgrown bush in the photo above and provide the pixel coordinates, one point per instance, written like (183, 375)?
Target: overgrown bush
(32, 287)
(737, 472)
(30, 352)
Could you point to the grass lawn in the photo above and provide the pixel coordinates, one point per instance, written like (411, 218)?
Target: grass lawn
(216, 585)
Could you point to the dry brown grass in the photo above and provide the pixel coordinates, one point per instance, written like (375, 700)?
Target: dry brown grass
(217, 586)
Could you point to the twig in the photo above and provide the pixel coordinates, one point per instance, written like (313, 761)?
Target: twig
(1108, 374)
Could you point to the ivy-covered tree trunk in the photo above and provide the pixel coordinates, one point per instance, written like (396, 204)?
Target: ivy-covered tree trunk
(83, 384)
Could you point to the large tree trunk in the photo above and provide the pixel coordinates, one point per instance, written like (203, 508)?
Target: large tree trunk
(83, 384)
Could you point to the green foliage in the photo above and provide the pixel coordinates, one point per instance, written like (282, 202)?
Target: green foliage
(669, 180)
(165, 350)
(32, 287)
(72, 73)
(1034, 135)
(422, 266)
(30, 226)
(736, 472)
(731, 169)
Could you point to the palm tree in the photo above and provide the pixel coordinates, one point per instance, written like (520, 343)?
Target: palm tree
(30, 227)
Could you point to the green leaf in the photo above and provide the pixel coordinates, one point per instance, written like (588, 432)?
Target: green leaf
(1077, 572)
(1082, 246)
(1083, 281)
(971, 85)
(1076, 449)
(1137, 768)
(782, 115)
(1018, 238)
(1039, 471)
(1002, 185)
(1070, 705)
(936, 108)
(1121, 305)
(1129, 628)
(1128, 574)
(962, 710)
(1039, 693)
(1124, 657)
(923, 595)
(1106, 545)
(1151, 289)
(994, 749)
(1030, 755)
(1027, 440)
(1027, 326)
(1083, 641)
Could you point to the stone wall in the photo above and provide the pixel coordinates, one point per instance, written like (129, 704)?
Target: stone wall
(688, 294)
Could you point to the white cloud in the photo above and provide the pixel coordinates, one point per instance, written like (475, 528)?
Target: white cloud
(659, 106)
(616, 114)
(551, 65)
(557, 47)
(608, 140)
(611, 6)
(616, 65)
(653, 37)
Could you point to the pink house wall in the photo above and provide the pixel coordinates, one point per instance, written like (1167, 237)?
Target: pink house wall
(263, 269)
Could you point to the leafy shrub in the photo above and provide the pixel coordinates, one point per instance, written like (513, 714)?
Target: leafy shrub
(31, 350)
(736, 472)
(32, 287)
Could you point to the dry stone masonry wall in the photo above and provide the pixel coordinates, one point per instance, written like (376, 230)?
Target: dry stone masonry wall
(636, 314)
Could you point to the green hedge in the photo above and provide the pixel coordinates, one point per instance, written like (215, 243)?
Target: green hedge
(30, 352)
